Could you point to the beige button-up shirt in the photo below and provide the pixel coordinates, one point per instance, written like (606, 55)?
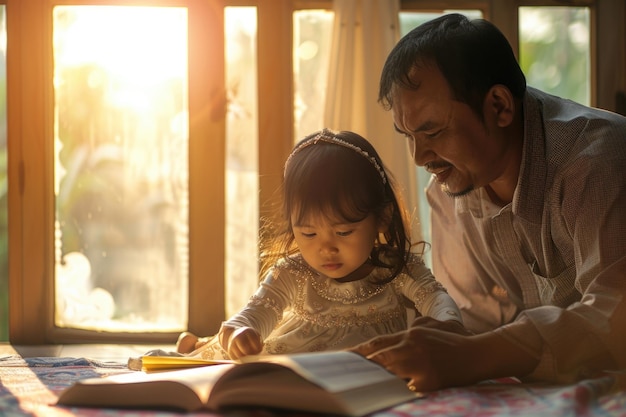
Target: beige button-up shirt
(549, 269)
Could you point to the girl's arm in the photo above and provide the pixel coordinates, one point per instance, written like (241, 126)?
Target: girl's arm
(427, 294)
(265, 308)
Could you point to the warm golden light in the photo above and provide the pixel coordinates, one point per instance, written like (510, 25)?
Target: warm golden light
(141, 45)
(121, 169)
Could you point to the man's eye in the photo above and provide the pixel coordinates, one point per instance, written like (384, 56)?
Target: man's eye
(432, 135)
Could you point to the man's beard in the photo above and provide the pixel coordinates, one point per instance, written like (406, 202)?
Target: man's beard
(461, 193)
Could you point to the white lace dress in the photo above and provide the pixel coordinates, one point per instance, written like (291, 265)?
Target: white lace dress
(296, 309)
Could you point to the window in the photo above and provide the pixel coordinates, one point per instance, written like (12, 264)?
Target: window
(554, 50)
(312, 37)
(242, 167)
(121, 168)
(255, 84)
(113, 135)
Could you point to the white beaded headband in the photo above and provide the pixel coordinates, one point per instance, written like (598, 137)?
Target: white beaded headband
(327, 136)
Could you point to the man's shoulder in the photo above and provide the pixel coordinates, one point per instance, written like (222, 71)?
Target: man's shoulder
(573, 132)
(563, 113)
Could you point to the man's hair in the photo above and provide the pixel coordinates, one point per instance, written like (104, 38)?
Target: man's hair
(472, 55)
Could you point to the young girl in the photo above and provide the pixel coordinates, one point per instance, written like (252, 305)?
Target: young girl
(339, 271)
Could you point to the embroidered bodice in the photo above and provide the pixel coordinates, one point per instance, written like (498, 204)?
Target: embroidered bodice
(296, 309)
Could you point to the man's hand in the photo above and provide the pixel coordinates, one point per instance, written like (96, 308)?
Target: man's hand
(431, 359)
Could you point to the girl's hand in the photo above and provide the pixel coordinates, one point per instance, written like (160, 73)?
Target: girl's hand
(188, 342)
(240, 342)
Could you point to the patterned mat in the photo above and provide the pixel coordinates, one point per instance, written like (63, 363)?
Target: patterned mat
(29, 387)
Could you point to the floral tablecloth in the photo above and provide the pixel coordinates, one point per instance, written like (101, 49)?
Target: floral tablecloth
(30, 387)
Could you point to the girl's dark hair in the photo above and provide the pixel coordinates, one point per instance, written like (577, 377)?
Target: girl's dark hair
(340, 182)
(472, 55)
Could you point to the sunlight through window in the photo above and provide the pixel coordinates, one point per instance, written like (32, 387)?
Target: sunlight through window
(555, 50)
(242, 168)
(121, 168)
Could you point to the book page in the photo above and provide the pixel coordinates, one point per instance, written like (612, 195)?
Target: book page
(200, 380)
(272, 385)
(334, 371)
(186, 389)
(339, 382)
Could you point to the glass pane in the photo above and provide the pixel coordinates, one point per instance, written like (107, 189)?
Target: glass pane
(411, 19)
(242, 186)
(4, 236)
(121, 169)
(554, 50)
(312, 41)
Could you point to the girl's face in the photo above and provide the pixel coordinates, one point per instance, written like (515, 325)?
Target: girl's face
(335, 249)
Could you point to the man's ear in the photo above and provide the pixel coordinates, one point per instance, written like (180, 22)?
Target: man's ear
(499, 105)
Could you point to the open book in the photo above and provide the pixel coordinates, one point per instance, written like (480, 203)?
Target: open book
(340, 383)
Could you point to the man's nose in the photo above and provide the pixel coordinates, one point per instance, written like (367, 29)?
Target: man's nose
(420, 151)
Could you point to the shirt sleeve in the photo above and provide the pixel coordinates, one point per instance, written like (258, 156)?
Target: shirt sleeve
(265, 308)
(587, 336)
(578, 341)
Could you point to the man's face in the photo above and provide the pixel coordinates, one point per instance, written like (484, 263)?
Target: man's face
(446, 137)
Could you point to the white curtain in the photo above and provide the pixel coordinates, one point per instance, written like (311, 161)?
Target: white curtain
(364, 33)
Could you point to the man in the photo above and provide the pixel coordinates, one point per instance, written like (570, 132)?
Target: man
(528, 203)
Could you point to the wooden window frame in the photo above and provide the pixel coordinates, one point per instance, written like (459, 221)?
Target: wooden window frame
(608, 40)
(30, 103)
